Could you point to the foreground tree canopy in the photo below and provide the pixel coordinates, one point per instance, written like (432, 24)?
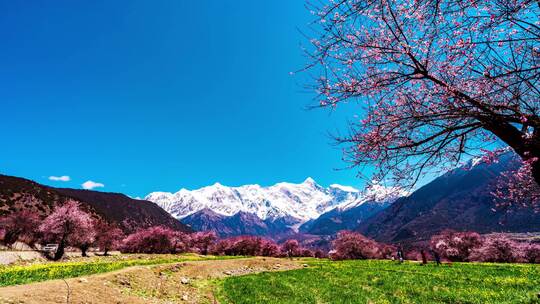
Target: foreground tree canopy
(438, 80)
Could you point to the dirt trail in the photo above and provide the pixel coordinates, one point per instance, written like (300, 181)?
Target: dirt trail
(172, 283)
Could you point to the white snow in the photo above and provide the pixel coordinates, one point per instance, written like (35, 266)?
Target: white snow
(378, 193)
(304, 201)
(344, 188)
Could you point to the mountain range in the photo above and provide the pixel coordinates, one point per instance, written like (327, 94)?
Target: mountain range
(460, 199)
(281, 209)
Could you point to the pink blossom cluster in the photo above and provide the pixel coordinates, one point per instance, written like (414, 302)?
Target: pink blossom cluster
(352, 245)
(435, 81)
(255, 246)
(517, 188)
(155, 239)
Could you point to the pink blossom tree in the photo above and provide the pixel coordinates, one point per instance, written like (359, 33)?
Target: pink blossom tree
(157, 239)
(387, 251)
(455, 246)
(319, 254)
(66, 226)
(83, 240)
(436, 80)
(181, 242)
(353, 245)
(108, 236)
(306, 252)
(258, 246)
(20, 226)
(221, 247)
(270, 249)
(246, 245)
(530, 252)
(517, 188)
(291, 248)
(202, 241)
(497, 248)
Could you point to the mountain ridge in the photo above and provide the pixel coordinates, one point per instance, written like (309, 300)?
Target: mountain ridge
(279, 209)
(18, 193)
(460, 199)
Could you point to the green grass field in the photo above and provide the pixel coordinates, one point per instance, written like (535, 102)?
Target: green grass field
(386, 282)
(14, 275)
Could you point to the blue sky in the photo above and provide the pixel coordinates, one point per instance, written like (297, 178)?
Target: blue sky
(158, 95)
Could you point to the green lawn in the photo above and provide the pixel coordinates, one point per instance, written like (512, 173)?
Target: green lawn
(14, 275)
(386, 282)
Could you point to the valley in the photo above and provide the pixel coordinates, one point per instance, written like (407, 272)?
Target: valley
(270, 152)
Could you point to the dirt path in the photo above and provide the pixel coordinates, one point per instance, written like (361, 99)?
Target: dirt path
(185, 282)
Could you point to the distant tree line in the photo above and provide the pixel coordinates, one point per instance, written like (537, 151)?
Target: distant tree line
(69, 226)
(449, 245)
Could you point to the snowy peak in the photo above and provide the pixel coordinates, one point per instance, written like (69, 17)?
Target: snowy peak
(310, 182)
(344, 188)
(302, 202)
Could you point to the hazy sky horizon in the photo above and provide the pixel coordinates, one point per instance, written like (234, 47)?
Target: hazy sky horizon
(139, 97)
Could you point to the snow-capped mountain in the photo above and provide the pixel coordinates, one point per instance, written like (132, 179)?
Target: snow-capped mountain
(286, 203)
(302, 201)
(349, 214)
(374, 193)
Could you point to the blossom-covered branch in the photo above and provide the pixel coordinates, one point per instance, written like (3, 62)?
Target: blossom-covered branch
(437, 80)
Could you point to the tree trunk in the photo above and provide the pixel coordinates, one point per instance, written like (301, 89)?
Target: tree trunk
(84, 249)
(60, 251)
(536, 171)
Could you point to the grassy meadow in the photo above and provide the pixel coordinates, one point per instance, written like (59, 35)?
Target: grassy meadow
(386, 282)
(324, 281)
(24, 274)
